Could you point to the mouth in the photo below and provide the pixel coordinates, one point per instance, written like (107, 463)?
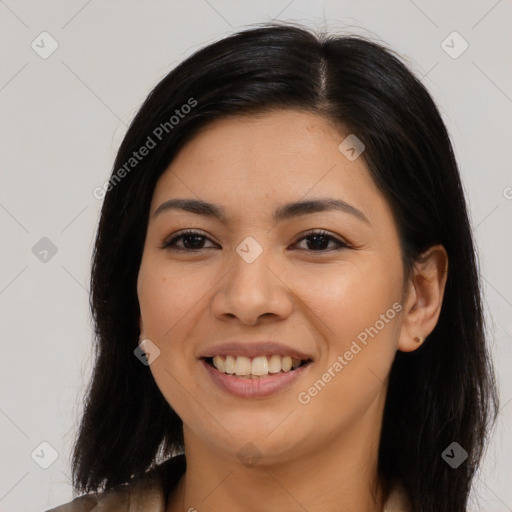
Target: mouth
(259, 367)
(257, 377)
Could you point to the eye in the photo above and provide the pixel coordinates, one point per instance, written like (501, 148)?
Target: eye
(194, 241)
(320, 240)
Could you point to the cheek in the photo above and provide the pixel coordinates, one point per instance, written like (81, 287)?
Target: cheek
(168, 302)
(356, 319)
(166, 298)
(349, 297)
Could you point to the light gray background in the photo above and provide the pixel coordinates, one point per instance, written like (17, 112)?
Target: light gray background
(62, 119)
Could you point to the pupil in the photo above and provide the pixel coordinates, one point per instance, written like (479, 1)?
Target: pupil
(316, 237)
(197, 240)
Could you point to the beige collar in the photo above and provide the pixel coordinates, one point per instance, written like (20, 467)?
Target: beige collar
(149, 494)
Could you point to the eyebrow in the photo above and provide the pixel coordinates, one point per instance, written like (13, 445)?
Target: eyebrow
(284, 212)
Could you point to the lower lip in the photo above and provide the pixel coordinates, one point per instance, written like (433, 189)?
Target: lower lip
(263, 386)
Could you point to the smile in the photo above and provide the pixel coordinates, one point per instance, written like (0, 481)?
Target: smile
(257, 377)
(255, 367)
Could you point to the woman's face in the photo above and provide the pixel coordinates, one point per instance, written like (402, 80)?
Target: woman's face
(250, 279)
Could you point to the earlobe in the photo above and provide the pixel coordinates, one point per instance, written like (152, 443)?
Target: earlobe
(424, 302)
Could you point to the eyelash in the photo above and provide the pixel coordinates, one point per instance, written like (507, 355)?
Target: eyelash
(169, 244)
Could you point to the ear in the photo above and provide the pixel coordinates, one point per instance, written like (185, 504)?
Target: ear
(424, 299)
(141, 329)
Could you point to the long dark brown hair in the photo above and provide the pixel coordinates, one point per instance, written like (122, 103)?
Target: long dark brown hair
(442, 393)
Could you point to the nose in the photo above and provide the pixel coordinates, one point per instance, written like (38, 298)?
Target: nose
(251, 290)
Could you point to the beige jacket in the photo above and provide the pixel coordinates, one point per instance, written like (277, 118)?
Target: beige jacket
(149, 494)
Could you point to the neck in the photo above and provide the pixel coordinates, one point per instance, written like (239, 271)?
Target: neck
(339, 476)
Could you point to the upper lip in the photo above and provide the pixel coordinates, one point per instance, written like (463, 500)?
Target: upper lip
(253, 349)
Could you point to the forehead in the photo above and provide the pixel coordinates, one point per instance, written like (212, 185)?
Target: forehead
(267, 159)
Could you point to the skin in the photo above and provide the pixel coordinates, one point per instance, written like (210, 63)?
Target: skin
(316, 457)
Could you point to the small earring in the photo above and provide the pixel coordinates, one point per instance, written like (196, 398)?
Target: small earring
(419, 339)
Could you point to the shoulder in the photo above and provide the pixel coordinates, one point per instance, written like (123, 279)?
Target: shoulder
(397, 500)
(148, 493)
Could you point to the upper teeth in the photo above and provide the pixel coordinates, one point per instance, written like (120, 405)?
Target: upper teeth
(241, 365)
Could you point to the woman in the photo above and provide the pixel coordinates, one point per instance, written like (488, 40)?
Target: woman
(285, 292)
